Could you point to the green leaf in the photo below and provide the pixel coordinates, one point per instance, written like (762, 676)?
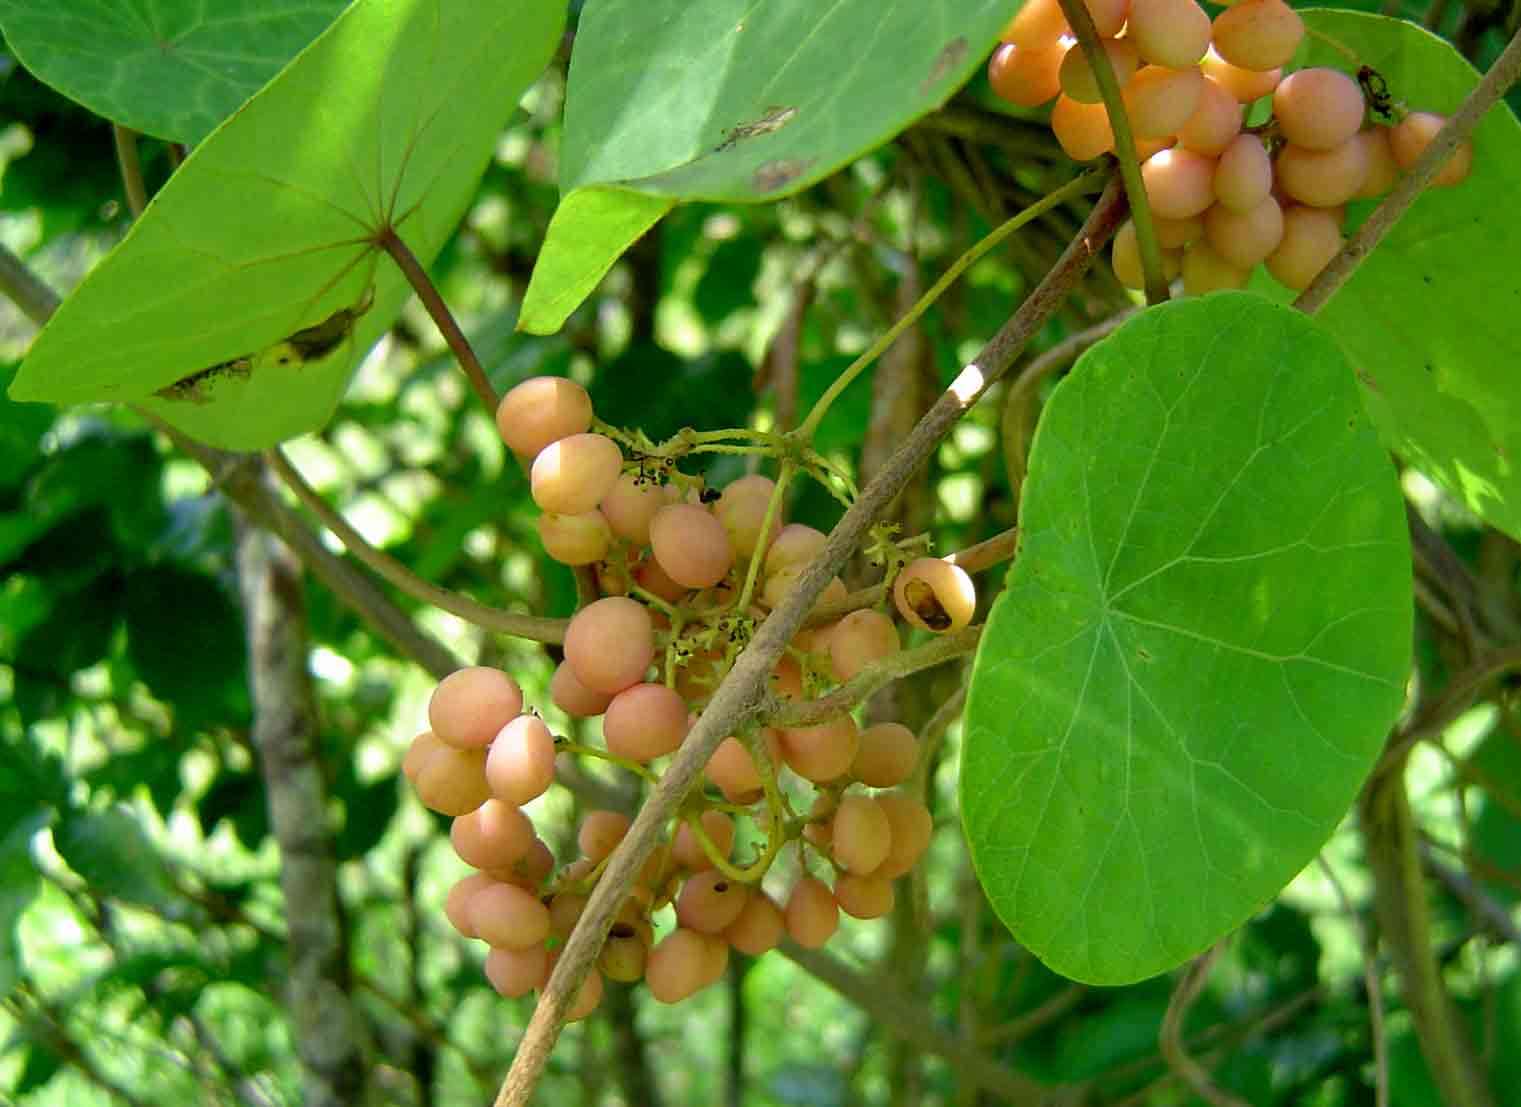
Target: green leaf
(266, 283)
(21, 429)
(110, 850)
(1427, 318)
(42, 1064)
(1203, 642)
(732, 100)
(76, 633)
(185, 639)
(1496, 830)
(169, 68)
(238, 797)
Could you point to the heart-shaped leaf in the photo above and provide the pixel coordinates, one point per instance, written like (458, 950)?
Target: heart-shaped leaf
(1202, 645)
(169, 68)
(239, 305)
(732, 100)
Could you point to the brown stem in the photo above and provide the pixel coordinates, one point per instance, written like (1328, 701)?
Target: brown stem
(1456, 698)
(326, 1026)
(1399, 897)
(25, 289)
(878, 675)
(387, 567)
(389, 241)
(1468, 892)
(1486, 93)
(242, 479)
(1176, 1053)
(131, 169)
(988, 552)
(742, 693)
(1081, 22)
(1045, 1013)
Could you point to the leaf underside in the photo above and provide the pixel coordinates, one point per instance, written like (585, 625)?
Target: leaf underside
(241, 302)
(734, 101)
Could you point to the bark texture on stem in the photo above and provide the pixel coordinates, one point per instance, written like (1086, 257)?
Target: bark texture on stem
(743, 692)
(324, 1020)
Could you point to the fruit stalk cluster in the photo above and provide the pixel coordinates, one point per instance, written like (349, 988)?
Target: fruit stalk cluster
(683, 573)
(1226, 196)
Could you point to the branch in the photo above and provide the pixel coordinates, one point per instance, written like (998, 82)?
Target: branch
(876, 676)
(326, 1026)
(1496, 82)
(242, 479)
(387, 567)
(987, 553)
(389, 241)
(131, 169)
(1467, 891)
(25, 289)
(974, 559)
(1171, 1037)
(911, 1021)
(742, 693)
(1456, 698)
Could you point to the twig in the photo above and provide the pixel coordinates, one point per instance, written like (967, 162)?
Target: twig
(389, 241)
(25, 289)
(1457, 696)
(987, 553)
(974, 559)
(742, 693)
(876, 676)
(131, 169)
(1467, 891)
(1171, 1037)
(386, 566)
(1486, 93)
(241, 479)
(1022, 1026)
(1078, 186)
(910, 1021)
(1370, 985)
(1227, 1035)
(932, 737)
(1081, 22)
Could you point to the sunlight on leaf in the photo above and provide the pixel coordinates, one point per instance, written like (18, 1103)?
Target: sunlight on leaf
(1203, 642)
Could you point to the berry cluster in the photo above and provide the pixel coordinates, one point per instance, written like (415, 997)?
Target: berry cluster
(1226, 197)
(683, 576)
